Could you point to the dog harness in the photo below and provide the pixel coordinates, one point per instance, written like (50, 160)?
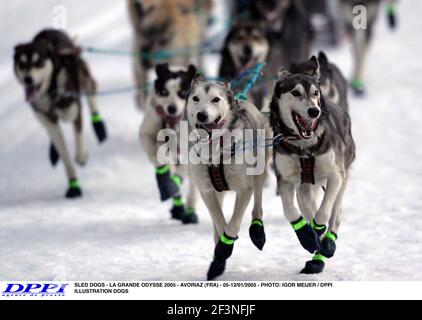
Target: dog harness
(306, 156)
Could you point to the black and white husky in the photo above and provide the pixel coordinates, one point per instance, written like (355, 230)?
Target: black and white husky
(314, 149)
(332, 82)
(213, 113)
(165, 108)
(245, 46)
(54, 76)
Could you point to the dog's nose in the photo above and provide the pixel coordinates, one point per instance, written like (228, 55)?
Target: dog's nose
(171, 109)
(202, 116)
(28, 80)
(313, 112)
(247, 50)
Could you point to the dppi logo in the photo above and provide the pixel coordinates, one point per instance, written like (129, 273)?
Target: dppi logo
(34, 289)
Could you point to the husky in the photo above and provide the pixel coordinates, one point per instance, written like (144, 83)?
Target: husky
(313, 148)
(162, 25)
(212, 111)
(361, 38)
(165, 109)
(54, 76)
(332, 82)
(245, 46)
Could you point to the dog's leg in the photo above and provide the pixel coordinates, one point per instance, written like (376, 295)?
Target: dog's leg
(334, 185)
(224, 247)
(307, 200)
(191, 216)
(81, 154)
(256, 230)
(221, 252)
(328, 243)
(57, 138)
(96, 118)
(305, 233)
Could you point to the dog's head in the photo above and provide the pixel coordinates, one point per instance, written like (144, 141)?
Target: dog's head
(34, 65)
(208, 105)
(246, 45)
(326, 75)
(297, 99)
(171, 89)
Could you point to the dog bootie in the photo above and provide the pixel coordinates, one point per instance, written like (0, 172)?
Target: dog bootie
(99, 127)
(319, 228)
(167, 185)
(307, 236)
(328, 245)
(178, 209)
(257, 233)
(316, 265)
(357, 87)
(216, 269)
(223, 251)
(391, 16)
(74, 190)
(53, 155)
(190, 216)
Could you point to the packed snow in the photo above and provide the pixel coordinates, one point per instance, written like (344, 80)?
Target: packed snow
(120, 231)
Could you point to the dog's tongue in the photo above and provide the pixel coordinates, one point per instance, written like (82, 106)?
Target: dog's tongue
(213, 125)
(30, 93)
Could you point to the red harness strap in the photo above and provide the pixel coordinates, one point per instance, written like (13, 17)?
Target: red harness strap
(218, 180)
(308, 165)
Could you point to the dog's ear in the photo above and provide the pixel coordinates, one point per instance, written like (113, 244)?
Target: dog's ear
(323, 60)
(312, 68)
(198, 79)
(283, 74)
(19, 48)
(162, 69)
(192, 71)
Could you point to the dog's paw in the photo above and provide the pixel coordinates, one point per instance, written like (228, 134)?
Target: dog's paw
(328, 245)
(216, 269)
(257, 233)
(307, 236)
(168, 186)
(319, 228)
(74, 190)
(358, 88)
(190, 217)
(177, 212)
(53, 155)
(99, 127)
(81, 159)
(316, 265)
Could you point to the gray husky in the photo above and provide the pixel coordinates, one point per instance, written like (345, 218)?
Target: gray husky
(54, 76)
(314, 149)
(213, 112)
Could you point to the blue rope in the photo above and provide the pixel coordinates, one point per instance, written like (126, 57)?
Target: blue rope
(256, 72)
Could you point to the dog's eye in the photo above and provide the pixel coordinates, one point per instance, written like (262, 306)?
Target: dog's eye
(164, 93)
(316, 93)
(296, 93)
(38, 64)
(195, 99)
(182, 94)
(215, 100)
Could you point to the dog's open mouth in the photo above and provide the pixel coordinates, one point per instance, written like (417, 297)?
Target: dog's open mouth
(248, 61)
(216, 124)
(31, 92)
(305, 127)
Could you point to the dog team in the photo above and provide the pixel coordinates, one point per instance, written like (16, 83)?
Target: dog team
(308, 124)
